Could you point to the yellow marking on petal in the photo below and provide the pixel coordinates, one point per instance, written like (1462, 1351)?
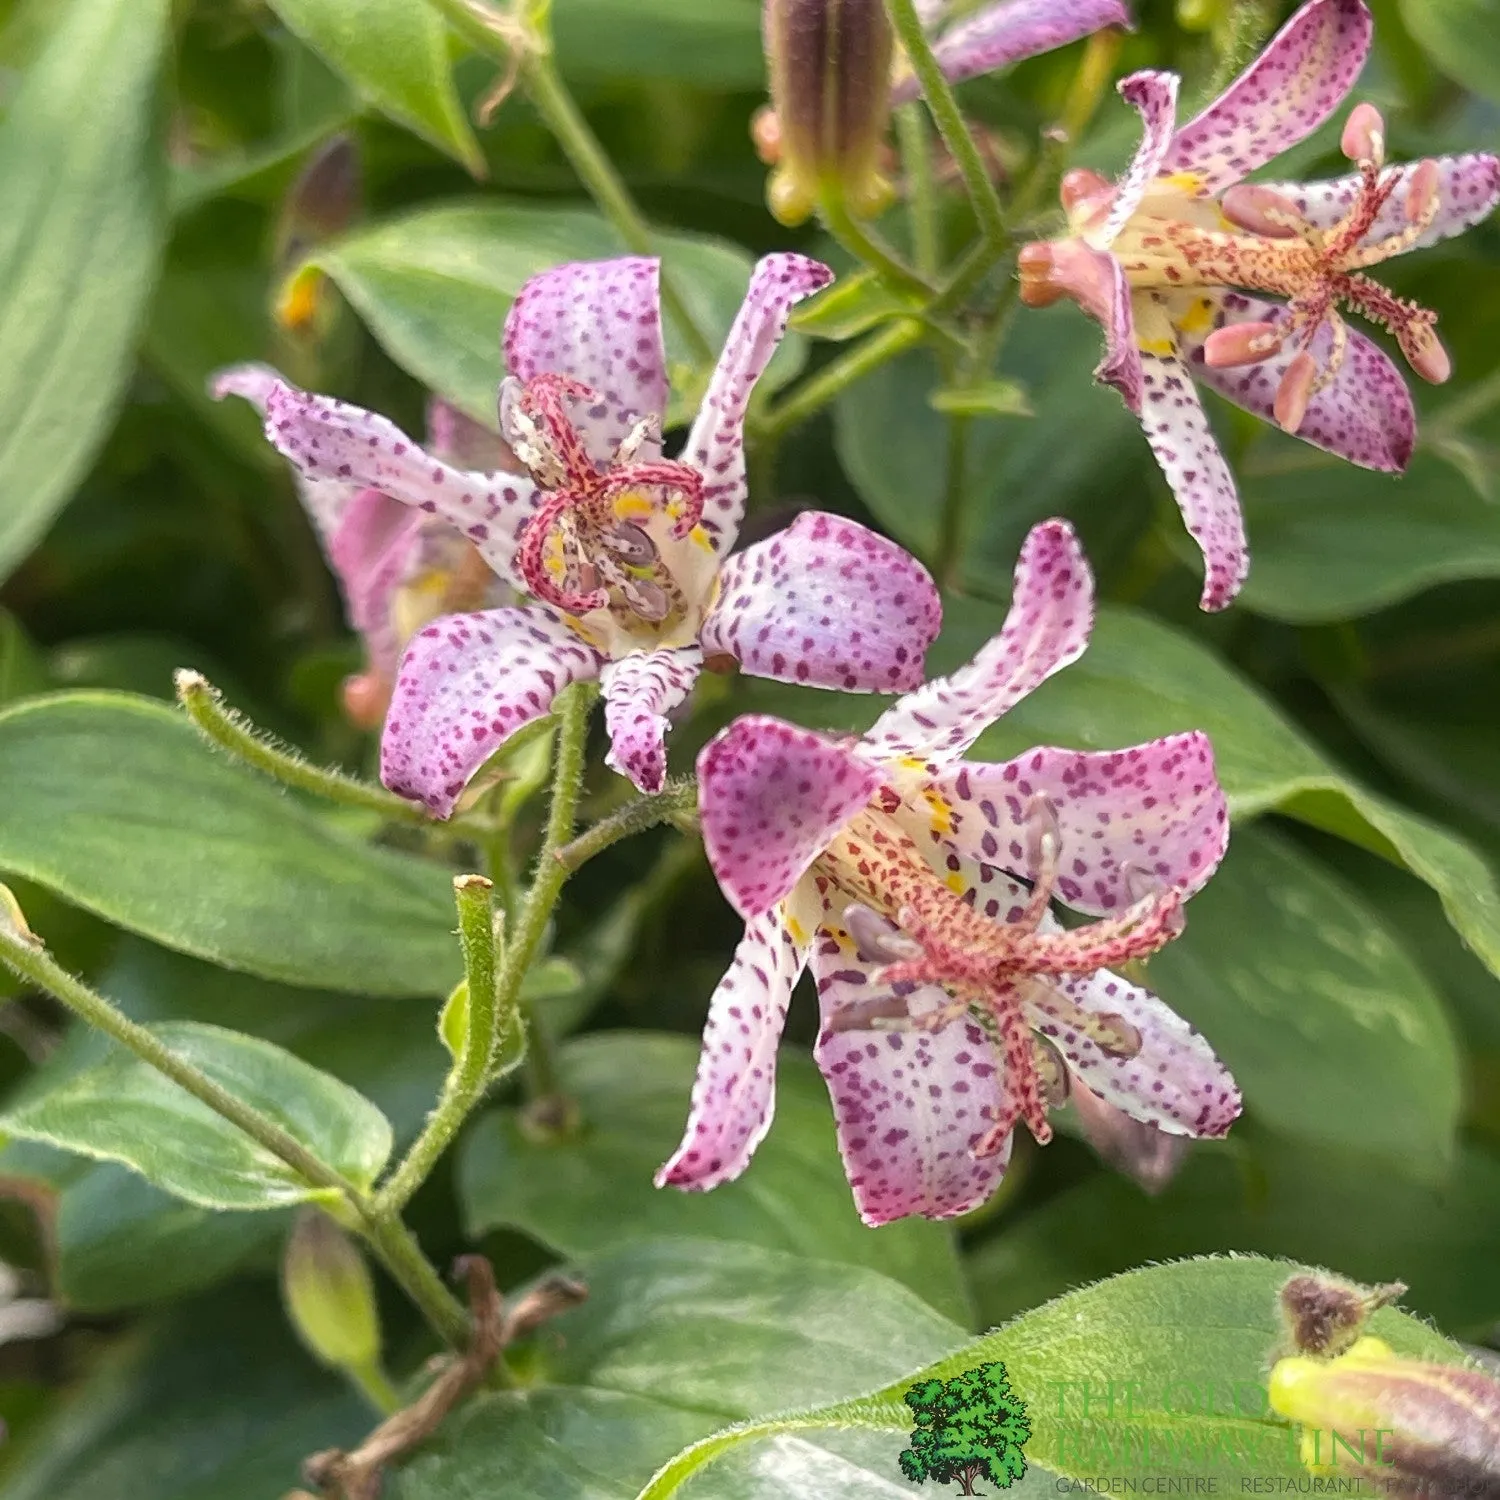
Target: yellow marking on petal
(941, 811)
(1199, 318)
(1190, 183)
(1156, 346)
(955, 883)
(912, 763)
(419, 602)
(633, 506)
(797, 930)
(699, 537)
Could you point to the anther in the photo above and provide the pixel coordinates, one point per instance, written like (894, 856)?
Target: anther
(1086, 196)
(631, 545)
(1295, 391)
(1424, 352)
(879, 1013)
(1052, 1071)
(1241, 344)
(875, 939)
(649, 600)
(1363, 139)
(1116, 1036)
(1262, 211)
(1422, 191)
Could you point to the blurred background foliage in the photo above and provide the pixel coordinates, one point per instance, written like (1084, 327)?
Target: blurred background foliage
(1343, 962)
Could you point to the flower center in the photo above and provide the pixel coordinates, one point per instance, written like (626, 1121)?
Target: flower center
(606, 536)
(991, 958)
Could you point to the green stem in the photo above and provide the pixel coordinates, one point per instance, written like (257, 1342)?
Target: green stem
(921, 190)
(955, 501)
(838, 375)
(231, 731)
(867, 246)
(375, 1386)
(397, 1250)
(639, 814)
(949, 120)
(469, 1076)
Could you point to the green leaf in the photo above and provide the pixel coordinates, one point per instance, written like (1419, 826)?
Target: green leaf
(395, 53)
(676, 1338)
(1331, 1030)
(1329, 541)
(582, 1195)
(854, 304)
(114, 802)
(1192, 1339)
(124, 1110)
(1464, 38)
(1140, 679)
(80, 239)
(435, 286)
(712, 44)
(1345, 1209)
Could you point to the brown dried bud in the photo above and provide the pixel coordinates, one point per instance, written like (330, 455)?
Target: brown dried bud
(830, 67)
(1325, 1316)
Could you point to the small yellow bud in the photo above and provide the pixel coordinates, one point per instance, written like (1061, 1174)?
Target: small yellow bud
(328, 1294)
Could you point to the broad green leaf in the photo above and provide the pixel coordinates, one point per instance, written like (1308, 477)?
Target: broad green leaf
(1344, 1209)
(1332, 1031)
(114, 802)
(395, 53)
(1329, 540)
(1140, 679)
(1463, 36)
(1193, 1339)
(213, 1399)
(435, 286)
(676, 1338)
(123, 1110)
(592, 1192)
(712, 44)
(80, 239)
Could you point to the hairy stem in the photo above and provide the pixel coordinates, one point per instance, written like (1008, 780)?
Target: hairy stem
(921, 193)
(676, 801)
(865, 245)
(949, 120)
(955, 502)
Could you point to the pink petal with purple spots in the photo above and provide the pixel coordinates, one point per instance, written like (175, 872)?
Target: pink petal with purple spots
(375, 549)
(1121, 365)
(770, 797)
(1468, 190)
(1177, 428)
(909, 1104)
(828, 603)
(998, 35)
(716, 445)
(466, 684)
(734, 1094)
(1174, 1082)
(1283, 96)
(1048, 626)
(330, 440)
(1154, 96)
(324, 500)
(1364, 414)
(639, 691)
(598, 321)
(1153, 814)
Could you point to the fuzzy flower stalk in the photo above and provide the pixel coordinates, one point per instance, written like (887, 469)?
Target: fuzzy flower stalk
(1201, 278)
(918, 886)
(625, 553)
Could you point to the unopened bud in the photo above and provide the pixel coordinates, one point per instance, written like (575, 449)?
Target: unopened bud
(1370, 1414)
(830, 67)
(1141, 1151)
(1364, 135)
(322, 202)
(329, 1298)
(13, 919)
(365, 697)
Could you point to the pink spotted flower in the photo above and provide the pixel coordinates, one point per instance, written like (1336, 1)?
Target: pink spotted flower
(918, 885)
(625, 553)
(1197, 275)
(397, 569)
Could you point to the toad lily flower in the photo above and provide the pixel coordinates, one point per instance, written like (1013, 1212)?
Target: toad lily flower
(398, 569)
(1178, 260)
(626, 553)
(994, 36)
(953, 1004)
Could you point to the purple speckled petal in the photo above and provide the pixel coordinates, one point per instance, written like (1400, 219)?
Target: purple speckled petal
(1047, 627)
(598, 321)
(374, 550)
(1154, 811)
(324, 500)
(734, 1094)
(1468, 190)
(639, 691)
(998, 35)
(910, 1104)
(829, 603)
(1121, 365)
(716, 445)
(770, 797)
(1283, 96)
(1154, 95)
(1177, 428)
(330, 440)
(1174, 1082)
(1364, 414)
(466, 684)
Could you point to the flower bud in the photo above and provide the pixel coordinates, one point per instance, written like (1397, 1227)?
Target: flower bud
(830, 67)
(1369, 1413)
(329, 1298)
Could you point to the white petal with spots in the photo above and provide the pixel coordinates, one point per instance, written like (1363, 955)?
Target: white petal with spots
(639, 691)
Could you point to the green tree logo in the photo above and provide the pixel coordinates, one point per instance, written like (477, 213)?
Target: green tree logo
(970, 1427)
